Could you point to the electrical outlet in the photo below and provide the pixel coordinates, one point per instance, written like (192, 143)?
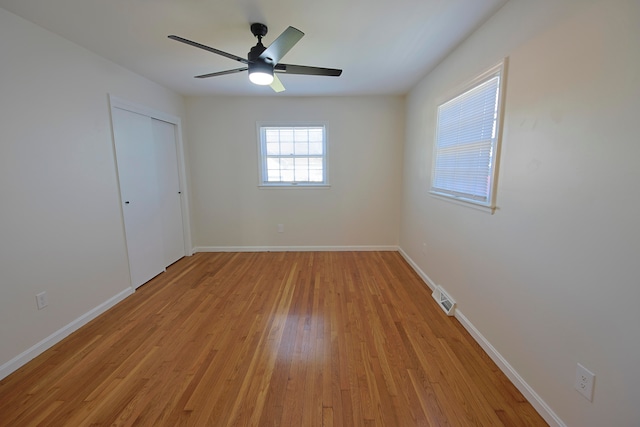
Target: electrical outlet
(280, 228)
(584, 382)
(424, 248)
(42, 300)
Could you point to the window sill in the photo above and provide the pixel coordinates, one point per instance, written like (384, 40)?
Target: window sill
(293, 186)
(464, 202)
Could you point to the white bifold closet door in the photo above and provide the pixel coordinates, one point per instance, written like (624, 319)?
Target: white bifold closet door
(164, 135)
(149, 186)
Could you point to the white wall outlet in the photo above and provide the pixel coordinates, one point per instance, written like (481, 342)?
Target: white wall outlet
(584, 382)
(424, 248)
(280, 228)
(42, 300)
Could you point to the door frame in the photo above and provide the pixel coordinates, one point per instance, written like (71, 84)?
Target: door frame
(116, 102)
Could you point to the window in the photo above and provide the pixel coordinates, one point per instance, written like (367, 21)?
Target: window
(293, 155)
(467, 142)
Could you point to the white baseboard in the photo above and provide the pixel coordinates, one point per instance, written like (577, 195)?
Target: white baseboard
(529, 393)
(417, 269)
(536, 401)
(29, 354)
(292, 248)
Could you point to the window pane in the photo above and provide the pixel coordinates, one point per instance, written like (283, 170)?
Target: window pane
(273, 148)
(315, 176)
(286, 148)
(302, 175)
(302, 148)
(273, 176)
(286, 134)
(315, 163)
(287, 175)
(272, 135)
(302, 163)
(286, 163)
(273, 163)
(315, 148)
(315, 135)
(301, 135)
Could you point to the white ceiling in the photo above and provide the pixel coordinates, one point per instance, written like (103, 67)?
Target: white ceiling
(383, 46)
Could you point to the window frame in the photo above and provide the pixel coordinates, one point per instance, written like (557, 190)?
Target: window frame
(500, 70)
(262, 156)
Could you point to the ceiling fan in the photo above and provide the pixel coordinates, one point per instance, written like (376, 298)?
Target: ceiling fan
(262, 62)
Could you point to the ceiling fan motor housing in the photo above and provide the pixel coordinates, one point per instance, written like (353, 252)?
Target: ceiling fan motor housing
(255, 52)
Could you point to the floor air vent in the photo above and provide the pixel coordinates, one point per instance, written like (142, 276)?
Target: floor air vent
(444, 301)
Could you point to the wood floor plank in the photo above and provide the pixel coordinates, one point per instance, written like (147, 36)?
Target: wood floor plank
(269, 339)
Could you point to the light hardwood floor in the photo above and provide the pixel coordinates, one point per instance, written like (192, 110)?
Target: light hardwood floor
(269, 339)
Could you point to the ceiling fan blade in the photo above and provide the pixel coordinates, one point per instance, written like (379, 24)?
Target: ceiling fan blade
(277, 85)
(302, 69)
(282, 44)
(209, 49)
(222, 73)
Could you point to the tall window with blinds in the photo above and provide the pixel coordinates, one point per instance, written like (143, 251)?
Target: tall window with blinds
(468, 140)
(293, 155)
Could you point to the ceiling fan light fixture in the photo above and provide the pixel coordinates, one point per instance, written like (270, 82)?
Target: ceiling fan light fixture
(260, 73)
(261, 78)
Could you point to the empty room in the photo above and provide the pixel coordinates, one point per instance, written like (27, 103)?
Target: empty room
(279, 213)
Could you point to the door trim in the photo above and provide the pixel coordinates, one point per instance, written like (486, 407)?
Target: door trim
(116, 102)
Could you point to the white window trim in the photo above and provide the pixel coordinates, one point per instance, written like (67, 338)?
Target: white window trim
(291, 185)
(490, 206)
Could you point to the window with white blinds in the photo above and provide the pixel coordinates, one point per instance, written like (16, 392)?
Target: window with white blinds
(292, 155)
(467, 142)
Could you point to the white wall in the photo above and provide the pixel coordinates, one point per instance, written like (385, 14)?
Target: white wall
(61, 227)
(362, 206)
(551, 279)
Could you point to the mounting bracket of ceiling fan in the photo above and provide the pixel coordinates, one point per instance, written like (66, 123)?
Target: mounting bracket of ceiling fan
(263, 62)
(259, 30)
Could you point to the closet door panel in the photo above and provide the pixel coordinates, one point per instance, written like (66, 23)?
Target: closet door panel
(169, 189)
(138, 176)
